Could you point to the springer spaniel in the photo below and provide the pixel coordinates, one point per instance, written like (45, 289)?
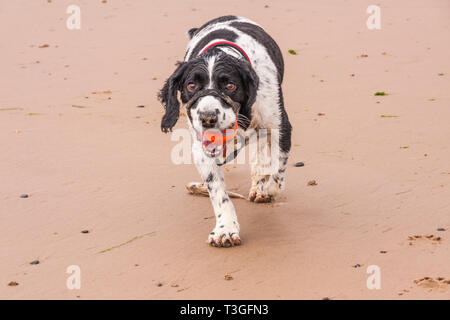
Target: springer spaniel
(231, 78)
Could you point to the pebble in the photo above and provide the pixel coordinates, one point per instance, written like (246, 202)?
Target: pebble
(13, 284)
(34, 262)
(357, 265)
(24, 196)
(85, 231)
(440, 229)
(299, 164)
(140, 107)
(159, 284)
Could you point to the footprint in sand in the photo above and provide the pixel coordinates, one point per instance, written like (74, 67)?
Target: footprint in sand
(438, 284)
(416, 239)
(428, 243)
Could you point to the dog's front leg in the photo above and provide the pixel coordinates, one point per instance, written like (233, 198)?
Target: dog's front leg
(226, 232)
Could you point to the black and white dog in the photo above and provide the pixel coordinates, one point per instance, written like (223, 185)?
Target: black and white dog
(232, 71)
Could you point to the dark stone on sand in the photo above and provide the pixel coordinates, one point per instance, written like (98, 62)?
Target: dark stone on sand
(299, 164)
(24, 196)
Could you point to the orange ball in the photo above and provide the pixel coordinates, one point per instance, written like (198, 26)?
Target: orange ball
(220, 137)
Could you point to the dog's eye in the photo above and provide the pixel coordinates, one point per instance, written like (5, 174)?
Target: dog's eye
(192, 86)
(230, 86)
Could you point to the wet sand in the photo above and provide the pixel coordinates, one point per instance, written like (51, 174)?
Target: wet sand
(74, 140)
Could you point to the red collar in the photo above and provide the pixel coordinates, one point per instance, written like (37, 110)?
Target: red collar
(227, 43)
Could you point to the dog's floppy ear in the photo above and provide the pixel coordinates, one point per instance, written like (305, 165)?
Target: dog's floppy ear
(169, 98)
(251, 81)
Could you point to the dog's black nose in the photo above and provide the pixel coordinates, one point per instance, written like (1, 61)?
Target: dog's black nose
(208, 119)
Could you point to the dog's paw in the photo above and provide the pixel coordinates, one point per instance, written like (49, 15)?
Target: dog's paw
(254, 196)
(264, 189)
(224, 236)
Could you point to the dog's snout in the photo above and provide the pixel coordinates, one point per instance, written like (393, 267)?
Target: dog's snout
(208, 119)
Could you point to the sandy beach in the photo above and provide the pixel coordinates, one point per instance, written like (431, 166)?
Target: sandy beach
(74, 140)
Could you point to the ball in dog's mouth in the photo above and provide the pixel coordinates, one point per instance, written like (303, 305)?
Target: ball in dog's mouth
(214, 141)
(210, 148)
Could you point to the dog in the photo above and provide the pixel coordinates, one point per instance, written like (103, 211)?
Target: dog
(231, 77)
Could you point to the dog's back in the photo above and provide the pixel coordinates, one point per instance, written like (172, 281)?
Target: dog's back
(245, 33)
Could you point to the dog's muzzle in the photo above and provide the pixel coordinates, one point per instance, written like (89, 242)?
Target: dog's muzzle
(214, 93)
(213, 140)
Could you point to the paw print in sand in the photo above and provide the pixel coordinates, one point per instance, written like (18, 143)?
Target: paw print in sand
(412, 240)
(439, 283)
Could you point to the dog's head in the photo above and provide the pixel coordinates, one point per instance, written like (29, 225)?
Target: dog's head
(216, 88)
